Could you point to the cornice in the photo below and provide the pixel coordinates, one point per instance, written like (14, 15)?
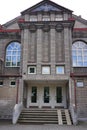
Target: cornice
(40, 24)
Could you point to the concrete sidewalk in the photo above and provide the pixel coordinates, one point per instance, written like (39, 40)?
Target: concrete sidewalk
(9, 126)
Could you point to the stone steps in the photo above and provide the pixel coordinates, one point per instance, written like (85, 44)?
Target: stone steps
(45, 116)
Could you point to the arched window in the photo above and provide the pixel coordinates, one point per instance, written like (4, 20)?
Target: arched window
(79, 54)
(13, 51)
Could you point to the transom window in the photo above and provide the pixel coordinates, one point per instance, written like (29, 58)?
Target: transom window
(79, 54)
(13, 52)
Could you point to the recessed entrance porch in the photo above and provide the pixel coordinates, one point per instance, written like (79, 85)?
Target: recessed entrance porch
(46, 94)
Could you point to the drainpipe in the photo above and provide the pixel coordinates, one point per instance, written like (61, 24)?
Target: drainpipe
(74, 110)
(17, 91)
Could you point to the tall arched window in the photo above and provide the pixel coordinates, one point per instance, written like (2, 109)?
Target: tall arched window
(13, 52)
(79, 54)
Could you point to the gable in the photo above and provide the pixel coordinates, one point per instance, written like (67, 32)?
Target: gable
(46, 6)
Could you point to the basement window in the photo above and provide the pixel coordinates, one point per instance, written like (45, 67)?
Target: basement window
(1, 83)
(12, 83)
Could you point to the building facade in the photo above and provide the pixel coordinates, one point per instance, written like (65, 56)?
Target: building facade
(43, 60)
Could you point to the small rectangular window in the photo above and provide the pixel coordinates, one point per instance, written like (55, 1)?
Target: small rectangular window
(1, 83)
(45, 69)
(80, 84)
(59, 69)
(31, 69)
(12, 83)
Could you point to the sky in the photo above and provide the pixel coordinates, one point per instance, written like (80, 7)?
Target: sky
(9, 9)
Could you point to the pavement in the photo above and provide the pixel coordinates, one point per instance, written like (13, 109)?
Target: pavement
(9, 126)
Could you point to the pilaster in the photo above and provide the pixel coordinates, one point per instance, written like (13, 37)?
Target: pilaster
(25, 50)
(39, 50)
(67, 49)
(52, 48)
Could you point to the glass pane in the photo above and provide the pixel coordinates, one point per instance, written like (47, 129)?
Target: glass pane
(14, 58)
(18, 63)
(75, 58)
(1, 83)
(74, 52)
(79, 58)
(14, 53)
(85, 64)
(8, 58)
(13, 63)
(59, 94)
(79, 52)
(46, 94)
(79, 64)
(85, 52)
(8, 52)
(34, 95)
(12, 82)
(8, 63)
(85, 58)
(81, 44)
(32, 70)
(19, 53)
(18, 58)
(74, 63)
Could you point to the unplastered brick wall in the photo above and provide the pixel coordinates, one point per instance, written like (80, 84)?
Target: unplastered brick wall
(7, 98)
(81, 93)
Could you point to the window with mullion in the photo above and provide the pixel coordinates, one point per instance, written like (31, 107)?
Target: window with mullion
(13, 51)
(79, 54)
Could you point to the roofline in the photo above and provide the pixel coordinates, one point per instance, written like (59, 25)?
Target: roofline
(23, 12)
(11, 21)
(79, 18)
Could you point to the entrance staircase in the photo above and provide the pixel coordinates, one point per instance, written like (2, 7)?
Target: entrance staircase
(45, 116)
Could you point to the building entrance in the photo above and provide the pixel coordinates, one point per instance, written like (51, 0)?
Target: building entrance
(46, 96)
